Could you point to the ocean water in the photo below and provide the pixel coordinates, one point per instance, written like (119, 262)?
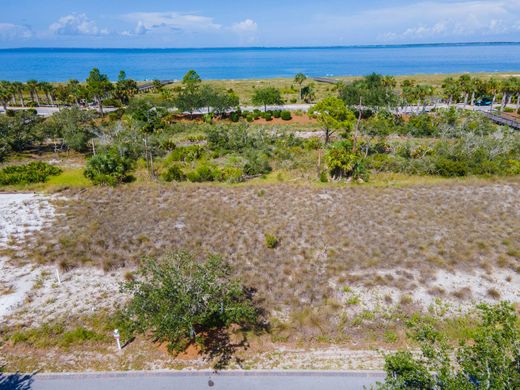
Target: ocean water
(247, 63)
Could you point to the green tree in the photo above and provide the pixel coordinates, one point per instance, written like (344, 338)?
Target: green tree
(300, 79)
(125, 88)
(451, 90)
(33, 86)
(489, 359)
(374, 90)
(98, 87)
(267, 96)
(307, 93)
(6, 93)
(188, 97)
(178, 300)
(333, 115)
(75, 126)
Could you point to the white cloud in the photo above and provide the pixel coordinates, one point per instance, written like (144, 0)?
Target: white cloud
(9, 31)
(429, 20)
(174, 21)
(76, 24)
(245, 26)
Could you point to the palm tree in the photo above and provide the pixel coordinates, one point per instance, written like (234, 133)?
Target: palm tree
(492, 87)
(33, 86)
(451, 89)
(74, 90)
(49, 90)
(19, 88)
(465, 86)
(6, 93)
(300, 79)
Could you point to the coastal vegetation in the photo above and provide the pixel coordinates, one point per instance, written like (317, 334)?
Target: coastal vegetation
(339, 218)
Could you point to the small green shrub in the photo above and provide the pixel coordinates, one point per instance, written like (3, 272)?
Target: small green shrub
(268, 117)
(271, 241)
(277, 114)
(108, 168)
(324, 178)
(286, 115)
(174, 173)
(34, 172)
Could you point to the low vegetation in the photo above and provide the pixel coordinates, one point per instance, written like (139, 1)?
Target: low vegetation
(34, 172)
(487, 358)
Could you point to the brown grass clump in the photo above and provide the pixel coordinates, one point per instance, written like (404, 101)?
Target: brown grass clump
(359, 236)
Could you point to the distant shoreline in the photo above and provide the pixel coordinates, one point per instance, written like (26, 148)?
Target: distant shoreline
(245, 48)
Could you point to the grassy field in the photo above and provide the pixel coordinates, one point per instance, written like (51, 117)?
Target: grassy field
(290, 90)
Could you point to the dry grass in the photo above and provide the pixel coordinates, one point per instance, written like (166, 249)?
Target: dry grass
(328, 237)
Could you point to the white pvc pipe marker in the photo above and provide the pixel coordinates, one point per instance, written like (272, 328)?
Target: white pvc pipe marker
(117, 337)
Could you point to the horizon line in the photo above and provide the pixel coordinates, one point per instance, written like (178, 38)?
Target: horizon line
(363, 46)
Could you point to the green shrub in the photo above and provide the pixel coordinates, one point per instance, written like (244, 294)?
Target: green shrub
(277, 114)
(286, 115)
(79, 335)
(257, 164)
(185, 153)
(205, 172)
(34, 172)
(108, 168)
(174, 173)
(250, 118)
(342, 163)
(293, 100)
(210, 301)
(234, 116)
(324, 177)
(268, 117)
(271, 241)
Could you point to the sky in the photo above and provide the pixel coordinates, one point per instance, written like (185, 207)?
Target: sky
(223, 23)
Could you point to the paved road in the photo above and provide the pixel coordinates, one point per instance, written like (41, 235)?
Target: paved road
(47, 111)
(198, 380)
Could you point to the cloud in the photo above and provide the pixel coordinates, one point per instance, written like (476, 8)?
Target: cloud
(76, 24)
(9, 31)
(429, 20)
(172, 21)
(245, 26)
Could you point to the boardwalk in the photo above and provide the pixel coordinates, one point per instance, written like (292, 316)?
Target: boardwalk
(502, 120)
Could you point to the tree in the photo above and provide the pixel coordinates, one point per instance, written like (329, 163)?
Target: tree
(300, 79)
(49, 91)
(191, 79)
(33, 86)
(178, 300)
(451, 90)
(98, 86)
(6, 93)
(489, 359)
(76, 127)
(374, 90)
(125, 88)
(307, 93)
(267, 96)
(218, 101)
(333, 115)
(19, 89)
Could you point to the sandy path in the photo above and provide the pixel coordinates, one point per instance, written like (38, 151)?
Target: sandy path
(20, 214)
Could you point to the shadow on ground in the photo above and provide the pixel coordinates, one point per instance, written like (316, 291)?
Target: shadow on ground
(16, 381)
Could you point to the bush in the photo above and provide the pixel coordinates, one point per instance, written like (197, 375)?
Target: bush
(234, 116)
(487, 358)
(342, 163)
(271, 241)
(257, 164)
(185, 153)
(174, 173)
(108, 168)
(286, 115)
(268, 117)
(277, 114)
(210, 300)
(35, 172)
(205, 172)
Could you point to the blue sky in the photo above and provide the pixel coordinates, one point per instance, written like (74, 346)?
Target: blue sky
(222, 23)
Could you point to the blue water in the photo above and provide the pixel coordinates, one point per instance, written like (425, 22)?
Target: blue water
(244, 63)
